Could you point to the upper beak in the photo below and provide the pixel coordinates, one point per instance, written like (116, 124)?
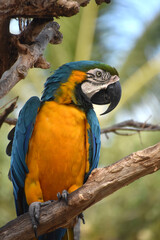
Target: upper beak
(111, 94)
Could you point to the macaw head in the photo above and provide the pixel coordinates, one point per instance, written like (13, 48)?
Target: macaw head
(83, 83)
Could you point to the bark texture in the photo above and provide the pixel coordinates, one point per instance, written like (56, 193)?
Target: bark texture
(101, 183)
(40, 8)
(30, 56)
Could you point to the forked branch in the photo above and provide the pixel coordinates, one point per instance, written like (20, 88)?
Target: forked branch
(8, 108)
(129, 127)
(101, 183)
(30, 56)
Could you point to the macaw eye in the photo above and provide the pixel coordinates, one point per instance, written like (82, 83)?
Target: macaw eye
(99, 74)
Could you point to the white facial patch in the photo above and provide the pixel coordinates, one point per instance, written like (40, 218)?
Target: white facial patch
(96, 81)
(90, 89)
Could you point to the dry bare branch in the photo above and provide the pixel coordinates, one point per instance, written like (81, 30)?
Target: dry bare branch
(29, 57)
(101, 183)
(8, 108)
(11, 121)
(130, 126)
(32, 9)
(52, 8)
(29, 34)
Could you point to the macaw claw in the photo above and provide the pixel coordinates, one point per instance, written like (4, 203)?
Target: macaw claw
(63, 196)
(34, 212)
(81, 216)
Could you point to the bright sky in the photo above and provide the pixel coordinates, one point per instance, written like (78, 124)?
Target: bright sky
(127, 21)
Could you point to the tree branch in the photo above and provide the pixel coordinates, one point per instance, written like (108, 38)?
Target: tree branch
(6, 46)
(101, 183)
(7, 110)
(11, 121)
(130, 125)
(52, 8)
(30, 55)
(12, 45)
(29, 34)
(32, 9)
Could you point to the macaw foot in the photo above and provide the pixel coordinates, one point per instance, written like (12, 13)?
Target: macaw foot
(34, 212)
(63, 196)
(81, 216)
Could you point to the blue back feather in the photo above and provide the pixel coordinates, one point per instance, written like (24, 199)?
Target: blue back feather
(94, 141)
(23, 132)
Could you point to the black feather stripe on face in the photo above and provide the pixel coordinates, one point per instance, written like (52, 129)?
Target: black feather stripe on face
(83, 102)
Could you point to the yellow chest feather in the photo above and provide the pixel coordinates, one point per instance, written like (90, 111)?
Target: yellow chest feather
(57, 158)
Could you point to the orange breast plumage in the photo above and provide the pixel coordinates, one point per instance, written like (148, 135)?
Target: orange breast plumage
(57, 157)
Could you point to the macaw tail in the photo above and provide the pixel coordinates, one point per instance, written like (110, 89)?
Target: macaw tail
(58, 234)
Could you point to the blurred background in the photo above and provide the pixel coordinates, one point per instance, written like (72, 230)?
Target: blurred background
(126, 35)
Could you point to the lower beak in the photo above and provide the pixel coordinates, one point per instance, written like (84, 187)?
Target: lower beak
(111, 95)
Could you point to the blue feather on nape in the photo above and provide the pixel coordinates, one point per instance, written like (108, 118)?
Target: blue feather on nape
(61, 75)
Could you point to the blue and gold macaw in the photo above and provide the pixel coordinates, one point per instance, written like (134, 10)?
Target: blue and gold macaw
(56, 140)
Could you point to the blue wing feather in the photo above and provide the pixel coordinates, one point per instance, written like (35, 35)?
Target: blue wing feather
(23, 132)
(94, 141)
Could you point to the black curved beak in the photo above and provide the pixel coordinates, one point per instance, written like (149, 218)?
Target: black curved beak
(112, 95)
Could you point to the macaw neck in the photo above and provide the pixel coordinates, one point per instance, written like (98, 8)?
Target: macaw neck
(80, 103)
(68, 92)
(85, 107)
